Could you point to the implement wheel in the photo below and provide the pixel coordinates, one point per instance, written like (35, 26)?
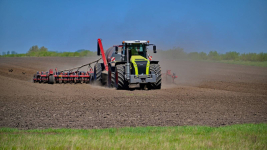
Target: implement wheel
(60, 80)
(34, 78)
(120, 82)
(157, 70)
(51, 79)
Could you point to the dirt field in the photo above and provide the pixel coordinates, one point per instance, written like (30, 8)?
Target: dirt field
(212, 94)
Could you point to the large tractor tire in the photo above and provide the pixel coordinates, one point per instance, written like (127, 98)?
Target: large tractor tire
(157, 70)
(109, 77)
(97, 73)
(51, 79)
(112, 79)
(120, 82)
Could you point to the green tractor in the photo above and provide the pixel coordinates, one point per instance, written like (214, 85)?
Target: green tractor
(127, 64)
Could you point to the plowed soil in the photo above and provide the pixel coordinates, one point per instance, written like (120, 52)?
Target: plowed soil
(212, 94)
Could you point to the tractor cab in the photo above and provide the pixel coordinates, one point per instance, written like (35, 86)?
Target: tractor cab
(137, 56)
(134, 48)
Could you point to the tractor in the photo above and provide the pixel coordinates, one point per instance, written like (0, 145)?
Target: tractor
(127, 64)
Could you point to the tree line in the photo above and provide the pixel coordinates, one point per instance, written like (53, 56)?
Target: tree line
(35, 51)
(174, 53)
(179, 53)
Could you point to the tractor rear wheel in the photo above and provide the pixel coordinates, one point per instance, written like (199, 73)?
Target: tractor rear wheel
(109, 77)
(112, 79)
(97, 73)
(157, 70)
(120, 82)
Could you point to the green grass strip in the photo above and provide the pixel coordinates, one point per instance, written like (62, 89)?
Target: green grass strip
(245, 136)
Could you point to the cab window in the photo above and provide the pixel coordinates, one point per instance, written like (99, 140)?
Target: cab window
(137, 49)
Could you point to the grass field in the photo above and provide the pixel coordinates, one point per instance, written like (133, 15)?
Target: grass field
(245, 136)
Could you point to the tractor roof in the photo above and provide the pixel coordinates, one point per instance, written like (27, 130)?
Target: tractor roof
(136, 41)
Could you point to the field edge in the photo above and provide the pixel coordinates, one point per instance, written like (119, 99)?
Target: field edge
(239, 136)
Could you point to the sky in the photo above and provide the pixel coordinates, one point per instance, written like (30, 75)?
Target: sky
(194, 25)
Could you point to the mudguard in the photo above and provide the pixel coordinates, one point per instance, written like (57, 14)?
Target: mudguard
(154, 62)
(120, 62)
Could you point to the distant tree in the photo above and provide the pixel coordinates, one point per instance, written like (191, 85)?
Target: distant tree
(3, 53)
(193, 55)
(13, 52)
(175, 53)
(8, 52)
(231, 56)
(203, 55)
(262, 56)
(33, 49)
(213, 55)
(249, 57)
(43, 49)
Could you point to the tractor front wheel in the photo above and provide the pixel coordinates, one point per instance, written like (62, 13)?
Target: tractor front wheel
(109, 77)
(157, 70)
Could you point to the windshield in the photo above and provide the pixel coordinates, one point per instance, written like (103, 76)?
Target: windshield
(137, 49)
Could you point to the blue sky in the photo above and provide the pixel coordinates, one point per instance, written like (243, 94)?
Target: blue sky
(200, 25)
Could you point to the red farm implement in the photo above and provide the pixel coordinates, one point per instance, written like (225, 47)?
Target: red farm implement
(169, 77)
(73, 75)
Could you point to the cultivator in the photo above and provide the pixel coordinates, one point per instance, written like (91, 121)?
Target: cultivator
(63, 77)
(73, 75)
